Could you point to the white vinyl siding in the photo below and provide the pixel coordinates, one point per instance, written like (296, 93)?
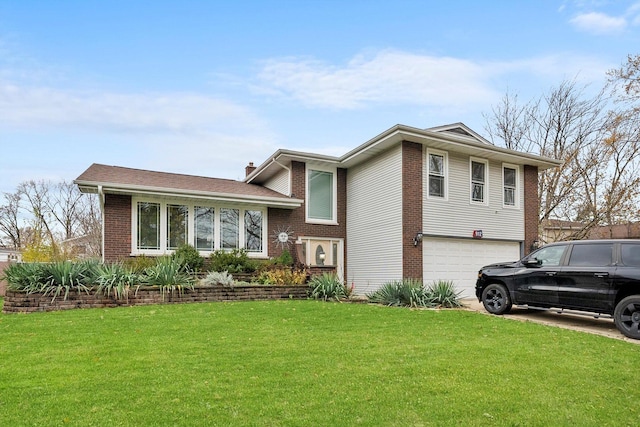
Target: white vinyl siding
(374, 218)
(280, 182)
(458, 260)
(457, 217)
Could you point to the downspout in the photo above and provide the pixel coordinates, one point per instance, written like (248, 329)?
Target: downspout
(101, 199)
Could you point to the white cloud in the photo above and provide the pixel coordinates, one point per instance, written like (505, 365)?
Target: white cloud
(389, 77)
(599, 23)
(407, 79)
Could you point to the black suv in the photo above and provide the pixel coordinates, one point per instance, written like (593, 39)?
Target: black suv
(595, 276)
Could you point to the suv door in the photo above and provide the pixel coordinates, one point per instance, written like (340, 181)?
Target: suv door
(627, 275)
(585, 283)
(537, 283)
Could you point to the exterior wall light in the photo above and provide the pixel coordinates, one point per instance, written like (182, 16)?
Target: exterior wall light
(417, 239)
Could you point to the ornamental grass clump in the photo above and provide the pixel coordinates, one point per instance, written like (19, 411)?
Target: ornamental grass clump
(168, 275)
(328, 286)
(116, 280)
(443, 294)
(402, 293)
(28, 277)
(282, 276)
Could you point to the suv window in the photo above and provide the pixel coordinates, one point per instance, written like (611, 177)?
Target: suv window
(550, 256)
(591, 255)
(630, 254)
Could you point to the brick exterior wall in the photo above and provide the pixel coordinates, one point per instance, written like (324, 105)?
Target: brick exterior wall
(117, 227)
(412, 204)
(531, 207)
(21, 302)
(294, 219)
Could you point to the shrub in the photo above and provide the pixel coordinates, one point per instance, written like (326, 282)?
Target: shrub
(328, 286)
(282, 276)
(218, 278)
(115, 279)
(443, 293)
(284, 259)
(404, 293)
(27, 276)
(235, 261)
(189, 258)
(168, 275)
(138, 264)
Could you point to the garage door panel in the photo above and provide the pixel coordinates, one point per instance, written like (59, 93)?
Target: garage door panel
(459, 260)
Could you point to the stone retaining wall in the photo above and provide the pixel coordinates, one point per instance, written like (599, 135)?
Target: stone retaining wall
(21, 302)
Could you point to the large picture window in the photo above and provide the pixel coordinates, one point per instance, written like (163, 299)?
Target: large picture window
(163, 226)
(320, 195)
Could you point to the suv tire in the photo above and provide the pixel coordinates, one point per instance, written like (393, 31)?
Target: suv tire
(496, 299)
(627, 316)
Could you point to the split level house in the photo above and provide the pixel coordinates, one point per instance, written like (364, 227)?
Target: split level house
(431, 204)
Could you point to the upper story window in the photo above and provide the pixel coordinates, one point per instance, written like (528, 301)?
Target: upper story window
(321, 196)
(437, 165)
(479, 181)
(160, 227)
(510, 186)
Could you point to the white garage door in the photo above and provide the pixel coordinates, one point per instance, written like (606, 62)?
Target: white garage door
(459, 260)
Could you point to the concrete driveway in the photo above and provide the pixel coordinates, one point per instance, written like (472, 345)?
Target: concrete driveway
(588, 324)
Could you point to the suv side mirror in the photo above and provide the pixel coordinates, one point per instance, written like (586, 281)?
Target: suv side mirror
(532, 262)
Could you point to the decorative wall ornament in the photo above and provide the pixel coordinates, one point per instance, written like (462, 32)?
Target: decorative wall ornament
(283, 236)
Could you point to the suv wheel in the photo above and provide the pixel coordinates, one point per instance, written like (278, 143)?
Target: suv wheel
(495, 298)
(627, 316)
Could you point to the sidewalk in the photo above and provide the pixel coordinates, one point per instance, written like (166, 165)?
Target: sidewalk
(601, 326)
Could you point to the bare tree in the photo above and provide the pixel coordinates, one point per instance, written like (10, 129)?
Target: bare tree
(10, 221)
(509, 124)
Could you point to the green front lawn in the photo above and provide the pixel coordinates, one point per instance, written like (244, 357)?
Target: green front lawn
(307, 363)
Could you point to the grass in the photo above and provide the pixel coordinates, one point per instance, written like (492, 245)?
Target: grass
(299, 363)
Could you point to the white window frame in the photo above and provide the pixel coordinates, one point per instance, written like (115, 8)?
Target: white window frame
(334, 208)
(191, 204)
(516, 199)
(445, 172)
(485, 193)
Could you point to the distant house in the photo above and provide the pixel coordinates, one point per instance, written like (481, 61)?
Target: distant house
(7, 256)
(556, 230)
(431, 204)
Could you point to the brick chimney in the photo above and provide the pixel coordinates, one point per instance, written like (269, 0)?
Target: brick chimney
(250, 168)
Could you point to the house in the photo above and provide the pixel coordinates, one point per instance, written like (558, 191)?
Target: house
(431, 204)
(7, 256)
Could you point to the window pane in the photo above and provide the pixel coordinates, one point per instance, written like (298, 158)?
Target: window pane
(550, 256)
(591, 255)
(509, 177)
(205, 227)
(320, 195)
(229, 219)
(477, 192)
(436, 164)
(477, 172)
(253, 231)
(177, 218)
(630, 254)
(509, 196)
(436, 186)
(148, 225)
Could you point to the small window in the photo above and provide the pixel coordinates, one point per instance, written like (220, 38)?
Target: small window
(148, 225)
(478, 181)
(436, 175)
(594, 255)
(509, 180)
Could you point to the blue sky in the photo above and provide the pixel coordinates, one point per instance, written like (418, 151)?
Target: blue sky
(204, 87)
